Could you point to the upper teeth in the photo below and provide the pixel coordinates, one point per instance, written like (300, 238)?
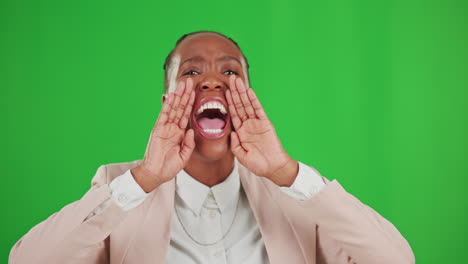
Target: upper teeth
(212, 105)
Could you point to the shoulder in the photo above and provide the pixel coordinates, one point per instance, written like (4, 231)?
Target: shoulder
(108, 172)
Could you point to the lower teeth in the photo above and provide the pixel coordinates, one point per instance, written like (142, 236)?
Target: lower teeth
(217, 130)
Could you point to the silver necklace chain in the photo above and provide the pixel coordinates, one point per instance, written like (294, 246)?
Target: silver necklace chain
(208, 244)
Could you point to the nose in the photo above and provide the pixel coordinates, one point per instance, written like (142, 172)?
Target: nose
(212, 83)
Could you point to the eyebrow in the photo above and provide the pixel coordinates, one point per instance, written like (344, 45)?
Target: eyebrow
(194, 59)
(226, 58)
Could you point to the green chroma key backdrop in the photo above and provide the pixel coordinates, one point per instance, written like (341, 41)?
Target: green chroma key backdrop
(370, 93)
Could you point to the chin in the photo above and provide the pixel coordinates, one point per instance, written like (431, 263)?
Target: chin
(212, 149)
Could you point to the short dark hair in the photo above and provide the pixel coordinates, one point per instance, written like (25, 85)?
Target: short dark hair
(169, 56)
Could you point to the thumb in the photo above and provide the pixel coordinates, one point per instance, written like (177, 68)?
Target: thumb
(188, 145)
(236, 147)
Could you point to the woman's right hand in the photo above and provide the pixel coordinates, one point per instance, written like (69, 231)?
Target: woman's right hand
(170, 145)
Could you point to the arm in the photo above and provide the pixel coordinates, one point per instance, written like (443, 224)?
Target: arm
(65, 237)
(126, 193)
(306, 184)
(348, 230)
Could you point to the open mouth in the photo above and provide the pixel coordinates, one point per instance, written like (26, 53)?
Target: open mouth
(211, 118)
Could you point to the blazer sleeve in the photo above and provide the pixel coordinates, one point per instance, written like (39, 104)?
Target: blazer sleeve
(349, 231)
(66, 237)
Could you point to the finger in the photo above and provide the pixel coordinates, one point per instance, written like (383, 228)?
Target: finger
(232, 111)
(184, 100)
(256, 105)
(178, 94)
(236, 147)
(188, 110)
(244, 98)
(236, 100)
(164, 114)
(188, 145)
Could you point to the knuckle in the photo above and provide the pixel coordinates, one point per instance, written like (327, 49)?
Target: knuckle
(186, 115)
(187, 112)
(185, 97)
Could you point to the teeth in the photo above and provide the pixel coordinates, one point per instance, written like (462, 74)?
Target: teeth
(212, 130)
(223, 110)
(212, 105)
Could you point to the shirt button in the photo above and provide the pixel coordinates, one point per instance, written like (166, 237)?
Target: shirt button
(122, 198)
(218, 254)
(212, 214)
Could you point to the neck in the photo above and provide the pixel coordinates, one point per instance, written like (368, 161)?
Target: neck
(210, 172)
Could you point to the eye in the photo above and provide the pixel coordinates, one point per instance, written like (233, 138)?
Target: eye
(191, 73)
(229, 72)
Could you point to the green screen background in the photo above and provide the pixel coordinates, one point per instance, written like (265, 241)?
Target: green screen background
(372, 93)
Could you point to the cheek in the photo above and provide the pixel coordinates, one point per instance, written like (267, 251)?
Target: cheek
(195, 78)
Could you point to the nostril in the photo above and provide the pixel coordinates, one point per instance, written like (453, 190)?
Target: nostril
(216, 87)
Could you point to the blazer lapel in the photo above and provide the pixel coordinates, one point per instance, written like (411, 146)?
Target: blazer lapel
(144, 236)
(279, 237)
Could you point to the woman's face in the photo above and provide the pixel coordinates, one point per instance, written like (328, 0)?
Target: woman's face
(209, 59)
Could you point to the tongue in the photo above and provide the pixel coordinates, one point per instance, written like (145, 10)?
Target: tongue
(207, 123)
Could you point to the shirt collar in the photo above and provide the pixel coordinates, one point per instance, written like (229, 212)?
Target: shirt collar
(194, 193)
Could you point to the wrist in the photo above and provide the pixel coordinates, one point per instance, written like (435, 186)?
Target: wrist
(285, 175)
(147, 181)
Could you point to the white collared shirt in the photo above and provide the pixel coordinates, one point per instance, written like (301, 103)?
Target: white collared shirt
(212, 225)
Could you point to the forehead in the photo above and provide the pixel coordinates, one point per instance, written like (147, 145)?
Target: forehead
(207, 45)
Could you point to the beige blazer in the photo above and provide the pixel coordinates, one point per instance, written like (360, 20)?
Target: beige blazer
(331, 227)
